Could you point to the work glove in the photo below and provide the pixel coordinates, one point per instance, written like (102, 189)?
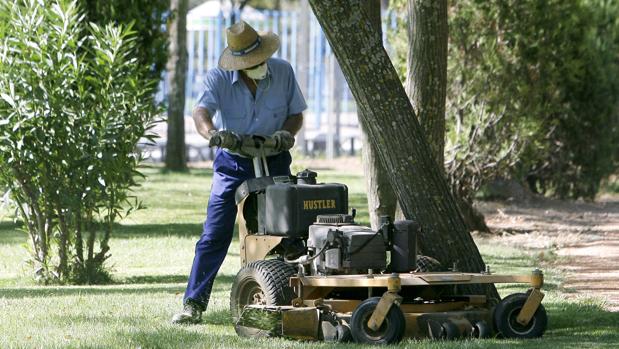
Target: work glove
(224, 139)
(284, 140)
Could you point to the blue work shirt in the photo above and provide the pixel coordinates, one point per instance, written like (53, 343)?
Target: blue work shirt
(232, 106)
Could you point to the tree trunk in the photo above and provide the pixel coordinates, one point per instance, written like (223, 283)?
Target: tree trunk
(175, 158)
(63, 243)
(401, 145)
(381, 198)
(426, 78)
(426, 84)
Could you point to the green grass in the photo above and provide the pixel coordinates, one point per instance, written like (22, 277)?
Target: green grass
(151, 255)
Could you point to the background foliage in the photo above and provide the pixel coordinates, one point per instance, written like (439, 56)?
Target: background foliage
(148, 19)
(73, 106)
(533, 87)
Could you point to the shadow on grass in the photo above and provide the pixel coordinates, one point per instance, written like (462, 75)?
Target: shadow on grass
(152, 279)
(157, 230)
(59, 291)
(11, 233)
(187, 230)
(123, 286)
(169, 279)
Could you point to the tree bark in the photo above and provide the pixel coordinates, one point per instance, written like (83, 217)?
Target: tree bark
(426, 85)
(381, 198)
(175, 158)
(426, 80)
(401, 145)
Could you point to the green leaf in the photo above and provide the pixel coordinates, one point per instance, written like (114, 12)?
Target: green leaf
(8, 99)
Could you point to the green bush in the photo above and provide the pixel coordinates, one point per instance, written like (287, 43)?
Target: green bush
(532, 93)
(148, 20)
(72, 109)
(582, 136)
(548, 71)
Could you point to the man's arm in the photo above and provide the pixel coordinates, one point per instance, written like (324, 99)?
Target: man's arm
(293, 123)
(203, 122)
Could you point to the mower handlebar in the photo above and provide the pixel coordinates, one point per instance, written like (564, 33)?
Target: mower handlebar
(255, 146)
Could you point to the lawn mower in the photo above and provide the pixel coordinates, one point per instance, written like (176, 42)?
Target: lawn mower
(310, 272)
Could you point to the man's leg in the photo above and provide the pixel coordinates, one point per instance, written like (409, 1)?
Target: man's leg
(213, 245)
(217, 233)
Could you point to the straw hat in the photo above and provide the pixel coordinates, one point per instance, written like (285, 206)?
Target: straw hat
(246, 48)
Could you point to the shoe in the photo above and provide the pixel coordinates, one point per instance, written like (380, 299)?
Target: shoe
(191, 314)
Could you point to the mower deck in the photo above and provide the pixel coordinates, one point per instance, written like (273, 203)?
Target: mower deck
(467, 314)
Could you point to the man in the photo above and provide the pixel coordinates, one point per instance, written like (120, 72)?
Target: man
(250, 93)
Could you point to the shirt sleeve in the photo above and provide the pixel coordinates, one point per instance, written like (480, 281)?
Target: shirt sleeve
(296, 102)
(209, 98)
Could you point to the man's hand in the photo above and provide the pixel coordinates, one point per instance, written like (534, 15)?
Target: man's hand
(224, 139)
(284, 140)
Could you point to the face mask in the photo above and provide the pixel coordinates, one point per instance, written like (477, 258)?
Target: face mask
(258, 73)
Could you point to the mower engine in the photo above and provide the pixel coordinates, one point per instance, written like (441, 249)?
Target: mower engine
(311, 227)
(339, 246)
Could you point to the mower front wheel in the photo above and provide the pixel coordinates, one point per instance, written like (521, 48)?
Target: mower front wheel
(506, 313)
(391, 330)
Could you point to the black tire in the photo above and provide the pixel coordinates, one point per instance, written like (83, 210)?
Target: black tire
(449, 331)
(260, 282)
(481, 330)
(391, 331)
(506, 312)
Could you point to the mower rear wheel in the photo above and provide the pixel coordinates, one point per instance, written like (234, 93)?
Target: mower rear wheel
(506, 313)
(481, 330)
(391, 330)
(342, 334)
(449, 331)
(261, 282)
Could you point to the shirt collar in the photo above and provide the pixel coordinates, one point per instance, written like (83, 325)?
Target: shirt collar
(236, 75)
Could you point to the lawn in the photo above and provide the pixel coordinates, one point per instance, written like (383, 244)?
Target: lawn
(151, 256)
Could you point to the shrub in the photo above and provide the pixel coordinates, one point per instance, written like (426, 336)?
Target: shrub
(72, 109)
(532, 93)
(148, 20)
(544, 73)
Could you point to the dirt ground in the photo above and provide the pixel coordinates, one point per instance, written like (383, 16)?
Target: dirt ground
(584, 236)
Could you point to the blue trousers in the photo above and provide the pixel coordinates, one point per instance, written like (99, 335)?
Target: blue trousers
(229, 171)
